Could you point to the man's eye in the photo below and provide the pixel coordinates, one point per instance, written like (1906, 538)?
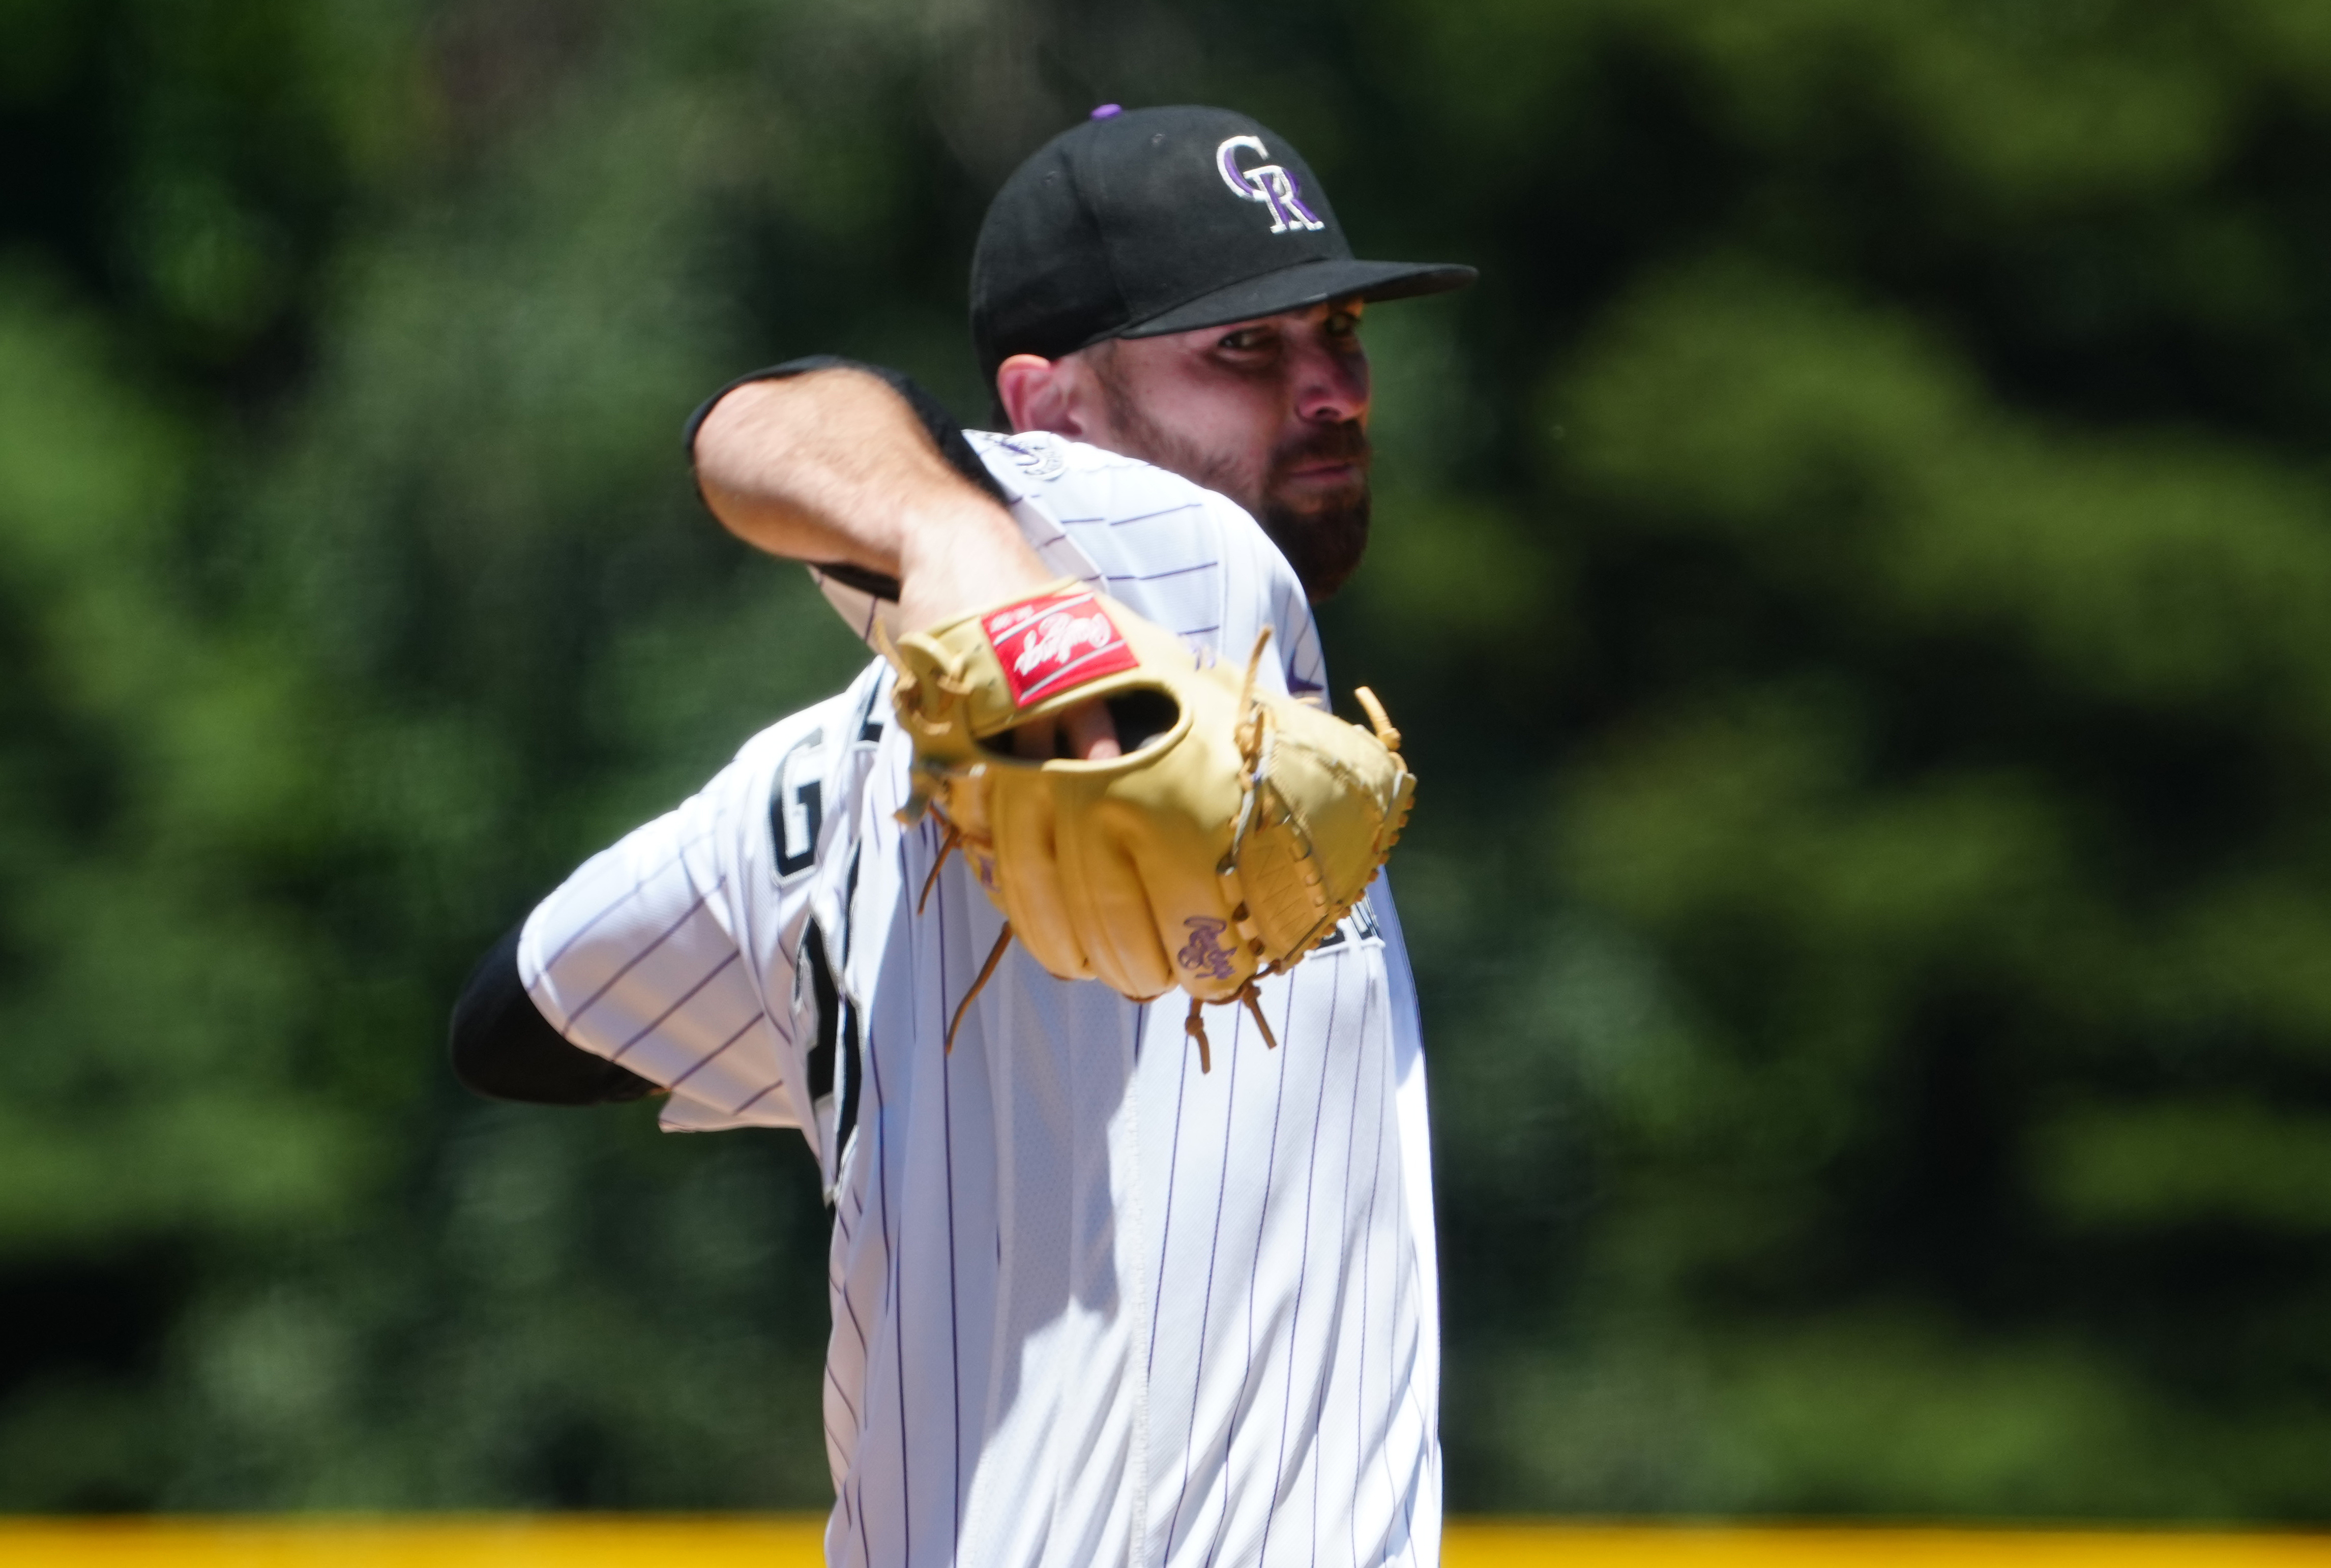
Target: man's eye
(1251, 338)
(1343, 324)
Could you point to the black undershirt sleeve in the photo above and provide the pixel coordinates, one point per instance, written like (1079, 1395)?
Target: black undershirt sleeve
(504, 1049)
(945, 432)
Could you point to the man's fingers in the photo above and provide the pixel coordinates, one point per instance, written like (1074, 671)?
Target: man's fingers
(1085, 733)
(1033, 740)
(1092, 734)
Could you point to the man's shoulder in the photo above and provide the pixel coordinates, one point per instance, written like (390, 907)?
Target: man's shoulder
(1095, 483)
(1040, 457)
(1188, 558)
(1128, 515)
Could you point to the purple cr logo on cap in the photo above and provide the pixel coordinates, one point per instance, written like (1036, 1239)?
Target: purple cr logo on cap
(1106, 112)
(1268, 184)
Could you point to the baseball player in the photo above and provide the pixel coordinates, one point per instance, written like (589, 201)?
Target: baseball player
(1101, 1295)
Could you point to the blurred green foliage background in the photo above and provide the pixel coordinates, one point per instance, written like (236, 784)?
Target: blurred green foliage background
(1855, 576)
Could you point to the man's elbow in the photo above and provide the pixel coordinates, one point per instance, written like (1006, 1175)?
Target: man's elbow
(731, 447)
(502, 1047)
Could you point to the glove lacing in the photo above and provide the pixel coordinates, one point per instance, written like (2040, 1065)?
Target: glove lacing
(926, 786)
(1255, 732)
(954, 841)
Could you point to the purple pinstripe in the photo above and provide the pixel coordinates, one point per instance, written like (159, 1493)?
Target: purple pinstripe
(717, 1050)
(1214, 1250)
(947, 1139)
(1302, 1272)
(685, 998)
(1351, 1146)
(1367, 1267)
(1262, 1224)
(638, 883)
(891, 1299)
(1161, 576)
(634, 960)
(1166, 1220)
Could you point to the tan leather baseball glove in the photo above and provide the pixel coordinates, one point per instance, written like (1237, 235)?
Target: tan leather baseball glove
(1238, 827)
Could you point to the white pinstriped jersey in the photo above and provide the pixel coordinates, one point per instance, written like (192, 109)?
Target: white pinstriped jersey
(1091, 1305)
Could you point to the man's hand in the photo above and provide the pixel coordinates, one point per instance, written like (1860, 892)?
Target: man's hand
(833, 466)
(1225, 852)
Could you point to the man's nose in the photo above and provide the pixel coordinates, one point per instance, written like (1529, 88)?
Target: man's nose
(1331, 384)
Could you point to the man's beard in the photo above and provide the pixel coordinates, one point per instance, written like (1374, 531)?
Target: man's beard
(1323, 536)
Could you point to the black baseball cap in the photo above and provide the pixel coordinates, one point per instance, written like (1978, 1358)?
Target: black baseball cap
(1148, 221)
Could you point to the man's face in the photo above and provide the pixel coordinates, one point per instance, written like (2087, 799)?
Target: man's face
(1272, 412)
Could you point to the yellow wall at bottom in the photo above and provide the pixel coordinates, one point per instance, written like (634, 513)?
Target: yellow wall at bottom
(792, 1542)
(1484, 1544)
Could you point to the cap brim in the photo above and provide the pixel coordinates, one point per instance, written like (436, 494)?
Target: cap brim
(1298, 287)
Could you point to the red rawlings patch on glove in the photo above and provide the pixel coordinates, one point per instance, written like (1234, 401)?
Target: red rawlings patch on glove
(1055, 644)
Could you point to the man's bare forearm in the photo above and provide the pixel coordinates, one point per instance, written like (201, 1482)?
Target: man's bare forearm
(833, 466)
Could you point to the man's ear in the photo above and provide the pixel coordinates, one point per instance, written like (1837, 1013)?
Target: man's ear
(1039, 394)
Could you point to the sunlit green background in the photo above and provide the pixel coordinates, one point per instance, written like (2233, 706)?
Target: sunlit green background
(1855, 576)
